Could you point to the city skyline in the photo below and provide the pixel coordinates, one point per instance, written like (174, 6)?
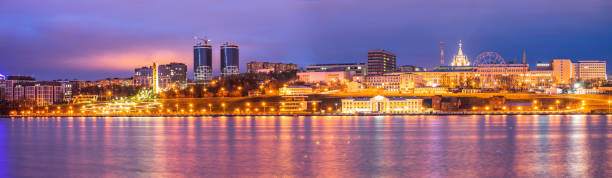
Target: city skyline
(84, 40)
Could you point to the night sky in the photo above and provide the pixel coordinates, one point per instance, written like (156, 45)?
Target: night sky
(93, 40)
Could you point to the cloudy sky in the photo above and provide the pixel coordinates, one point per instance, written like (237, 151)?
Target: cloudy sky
(92, 40)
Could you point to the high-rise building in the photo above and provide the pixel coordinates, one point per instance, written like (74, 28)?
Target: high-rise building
(460, 59)
(358, 68)
(168, 75)
(229, 60)
(268, 67)
(563, 71)
(380, 61)
(176, 71)
(591, 70)
(202, 61)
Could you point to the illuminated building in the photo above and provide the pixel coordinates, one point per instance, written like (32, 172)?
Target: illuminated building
(168, 75)
(380, 61)
(104, 82)
(177, 72)
(410, 68)
(360, 69)
(431, 90)
(202, 61)
(295, 90)
(293, 104)
(328, 77)
(39, 93)
(381, 104)
(460, 59)
(229, 60)
(563, 71)
(448, 76)
(397, 81)
(155, 73)
(268, 67)
(591, 70)
(543, 66)
(13, 93)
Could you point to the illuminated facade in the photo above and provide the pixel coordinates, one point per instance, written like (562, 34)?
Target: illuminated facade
(563, 71)
(380, 62)
(295, 90)
(328, 77)
(166, 76)
(381, 104)
(268, 67)
(397, 81)
(229, 60)
(293, 104)
(202, 62)
(591, 70)
(460, 59)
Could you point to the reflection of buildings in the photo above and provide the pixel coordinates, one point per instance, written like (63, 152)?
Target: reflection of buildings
(328, 77)
(229, 60)
(381, 104)
(358, 68)
(380, 62)
(168, 75)
(268, 67)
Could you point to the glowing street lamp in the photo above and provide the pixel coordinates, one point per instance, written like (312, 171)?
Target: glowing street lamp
(223, 105)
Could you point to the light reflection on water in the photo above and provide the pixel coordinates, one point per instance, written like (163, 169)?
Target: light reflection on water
(423, 146)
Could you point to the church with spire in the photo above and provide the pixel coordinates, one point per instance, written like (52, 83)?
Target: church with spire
(460, 60)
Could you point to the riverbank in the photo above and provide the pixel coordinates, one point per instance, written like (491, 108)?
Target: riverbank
(320, 114)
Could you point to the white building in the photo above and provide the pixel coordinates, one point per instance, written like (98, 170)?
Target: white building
(591, 70)
(381, 104)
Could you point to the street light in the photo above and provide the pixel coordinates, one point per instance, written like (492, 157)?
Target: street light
(263, 104)
(223, 105)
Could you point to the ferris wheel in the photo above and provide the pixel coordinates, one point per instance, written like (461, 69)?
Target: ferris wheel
(488, 57)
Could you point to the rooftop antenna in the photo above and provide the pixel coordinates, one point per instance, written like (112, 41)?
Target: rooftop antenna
(201, 40)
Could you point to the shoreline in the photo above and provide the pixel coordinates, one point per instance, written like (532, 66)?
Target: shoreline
(318, 114)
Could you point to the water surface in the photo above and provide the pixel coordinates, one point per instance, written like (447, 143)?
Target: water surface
(397, 146)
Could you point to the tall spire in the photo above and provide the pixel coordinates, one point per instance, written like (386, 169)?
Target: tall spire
(460, 50)
(441, 52)
(460, 59)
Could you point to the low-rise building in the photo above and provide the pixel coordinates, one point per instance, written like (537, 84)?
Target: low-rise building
(410, 68)
(431, 90)
(327, 77)
(360, 69)
(293, 104)
(381, 104)
(395, 82)
(295, 90)
(269, 67)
